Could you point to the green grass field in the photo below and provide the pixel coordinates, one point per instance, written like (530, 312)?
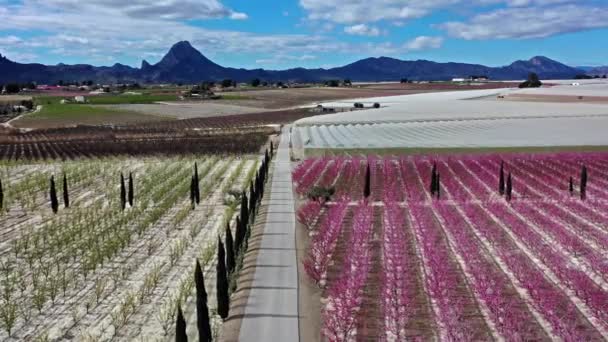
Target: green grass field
(110, 99)
(130, 99)
(55, 114)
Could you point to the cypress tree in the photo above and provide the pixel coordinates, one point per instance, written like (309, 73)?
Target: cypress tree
(271, 148)
(202, 311)
(197, 189)
(123, 192)
(263, 174)
(244, 209)
(438, 185)
(180, 326)
(368, 188)
(238, 242)
(230, 257)
(263, 171)
(53, 195)
(223, 300)
(584, 183)
(258, 185)
(571, 187)
(1, 195)
(509, 187)
(433, 179)
(131, 185)
(501, 180)
(192, 199)
(243, 232)
(66, 196)
(252, 199)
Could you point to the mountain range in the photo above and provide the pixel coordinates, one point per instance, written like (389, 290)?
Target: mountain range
(598, 71)
(183, 63)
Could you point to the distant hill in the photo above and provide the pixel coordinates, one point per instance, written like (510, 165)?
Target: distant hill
(183, 63)
(600, 71)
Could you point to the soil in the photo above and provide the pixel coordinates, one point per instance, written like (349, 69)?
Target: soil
(293, 97)
(110, 118)
(188, 110)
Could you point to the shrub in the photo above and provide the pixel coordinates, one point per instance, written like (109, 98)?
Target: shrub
(321, 193)
(532, 82)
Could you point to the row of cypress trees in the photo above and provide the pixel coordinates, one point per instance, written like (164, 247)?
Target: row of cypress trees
(124, 195)
(508, 188)
(53, 194)
(227, 254)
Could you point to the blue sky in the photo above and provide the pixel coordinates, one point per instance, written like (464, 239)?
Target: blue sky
(309, 33)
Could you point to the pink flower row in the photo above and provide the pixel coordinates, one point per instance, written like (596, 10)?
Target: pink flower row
(572, 277)
(443, 279)
(308, 213)
(397, 289)
(549, 175)
(305, 181)
(506, 309)
(346, 294)
(324, 242)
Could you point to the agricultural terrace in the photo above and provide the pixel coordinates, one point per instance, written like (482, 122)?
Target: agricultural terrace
(107, 265)
(458, 248)
(87, 141)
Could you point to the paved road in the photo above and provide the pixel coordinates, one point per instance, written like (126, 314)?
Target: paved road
(272, 309)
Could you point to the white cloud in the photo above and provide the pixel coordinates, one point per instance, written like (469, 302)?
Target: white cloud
(10, 40)
(362, 30)
(87, 32)
(361, 11)
(424, 43)
(238, 16)
(529, 22)
(145, 9)
(93, 36)
(24, 57)
(494, 18)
